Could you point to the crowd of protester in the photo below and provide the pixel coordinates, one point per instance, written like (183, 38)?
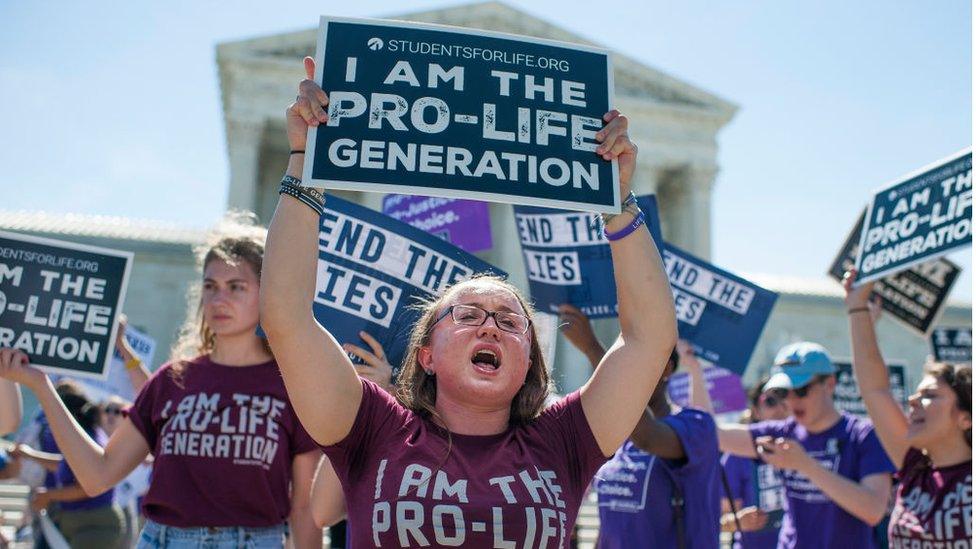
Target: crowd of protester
(248, 440)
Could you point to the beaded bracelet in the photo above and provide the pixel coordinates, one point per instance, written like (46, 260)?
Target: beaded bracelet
(634, 225)
(292, 186)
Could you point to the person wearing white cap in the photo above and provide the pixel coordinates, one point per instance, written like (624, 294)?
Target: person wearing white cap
(836, 474)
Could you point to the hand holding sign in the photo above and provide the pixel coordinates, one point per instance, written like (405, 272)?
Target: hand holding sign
(16, 366)
(862, 297)
(375, 367)
(307, 110)
(615, 143)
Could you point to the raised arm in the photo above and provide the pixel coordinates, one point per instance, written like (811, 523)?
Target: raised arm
(657, 437)
(97, 469)
(11, 407)
(651, 434)
(698, 396)
(319, 377)
(137, 371)
(617, 393)
(890, 422)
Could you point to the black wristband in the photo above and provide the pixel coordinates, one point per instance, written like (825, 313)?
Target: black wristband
(295, 152)
(292, 186)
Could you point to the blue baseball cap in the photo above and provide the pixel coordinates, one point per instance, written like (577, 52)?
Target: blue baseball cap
(798, 364)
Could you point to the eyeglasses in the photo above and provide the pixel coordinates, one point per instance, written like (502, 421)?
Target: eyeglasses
(472, 315)
(112, 411)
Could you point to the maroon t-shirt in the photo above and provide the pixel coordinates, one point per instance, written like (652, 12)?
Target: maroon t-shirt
(223, 445)
(933, 505)
(405, 486)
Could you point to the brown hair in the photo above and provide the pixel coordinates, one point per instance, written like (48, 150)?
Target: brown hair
(237, 238)
(959, 377)
(85, 412)
(418, 391)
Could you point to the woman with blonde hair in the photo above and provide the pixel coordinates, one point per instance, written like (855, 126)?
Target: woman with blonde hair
(216, 418)
(468, 455)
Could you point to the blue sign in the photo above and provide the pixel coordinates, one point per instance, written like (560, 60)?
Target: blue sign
(719, 313)
(923, 215)
(440, 111)
(59, 302)
(372, 268)
(567, 258)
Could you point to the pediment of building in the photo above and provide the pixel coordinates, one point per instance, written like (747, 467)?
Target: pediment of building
(633, 80)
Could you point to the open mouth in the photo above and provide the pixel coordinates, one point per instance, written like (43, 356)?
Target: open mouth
(486, 359)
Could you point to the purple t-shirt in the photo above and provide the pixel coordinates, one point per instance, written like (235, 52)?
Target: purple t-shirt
(223, 444)
(406, 485)
(65, 477)
(933, 505)
(635, 490)
(756, 483)
(849, 448)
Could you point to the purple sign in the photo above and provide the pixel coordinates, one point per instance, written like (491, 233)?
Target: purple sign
(464, 223)
(724, 387)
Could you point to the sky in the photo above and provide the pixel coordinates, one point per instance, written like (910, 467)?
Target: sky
(114, 108)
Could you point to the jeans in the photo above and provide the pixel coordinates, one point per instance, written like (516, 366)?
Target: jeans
(158, 536)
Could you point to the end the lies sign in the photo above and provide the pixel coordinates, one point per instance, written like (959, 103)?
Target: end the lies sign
(461, 113)
(919, 217)
(59, 301)
(372, 269)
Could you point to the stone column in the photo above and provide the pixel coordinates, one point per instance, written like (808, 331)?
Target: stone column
(697, 186)
(244, 153)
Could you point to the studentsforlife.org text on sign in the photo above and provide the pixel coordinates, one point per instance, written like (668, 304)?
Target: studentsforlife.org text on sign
(59, 302)
(922, 216)
(461, 113)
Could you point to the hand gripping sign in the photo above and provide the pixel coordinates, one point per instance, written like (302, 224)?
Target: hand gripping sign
(372, 268)
(915, 296)
(920, 217)
(59, 302)
(567, 257)
(442, 111)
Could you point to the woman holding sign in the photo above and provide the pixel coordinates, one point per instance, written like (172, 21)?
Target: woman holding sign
(466, 456)
(227, 443)
(931, 447)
